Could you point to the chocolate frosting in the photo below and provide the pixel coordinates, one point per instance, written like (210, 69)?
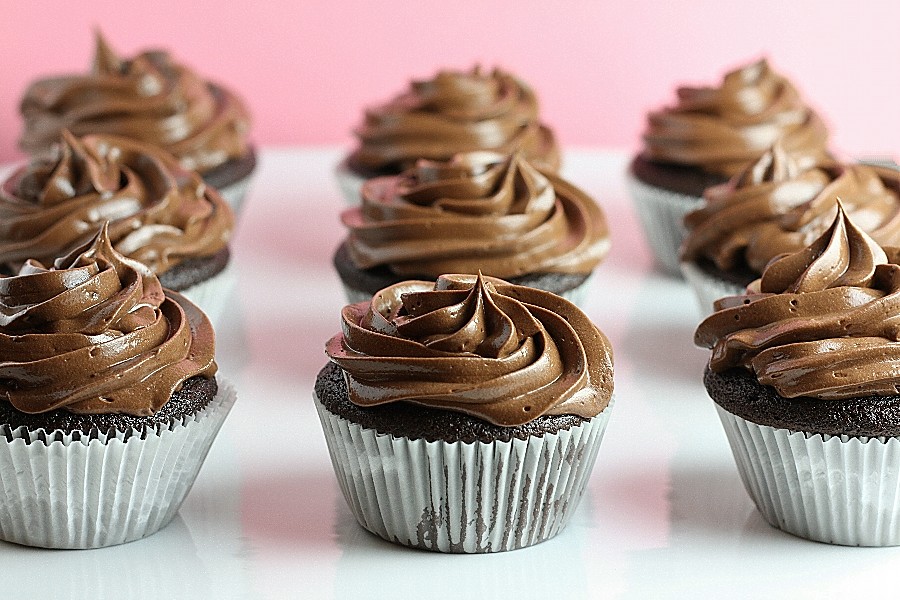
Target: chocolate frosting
(150, 98)
(503, 353)
(821, 322)
(454, 112)
(159, 213)
(774, 206)
(96, 333)
(478, 211)
(721, 129)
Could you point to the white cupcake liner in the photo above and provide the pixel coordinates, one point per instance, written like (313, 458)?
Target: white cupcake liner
(349, 183)
(458, 497)
(215, 294)
(661, 213)
(835, 489)
(577, 295)
(708, 288)
(75, 492)
(235, 193)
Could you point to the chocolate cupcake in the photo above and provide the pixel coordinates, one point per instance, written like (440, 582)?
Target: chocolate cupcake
(108, 401)
(803, 373)
(455, 111)
(153, 99)
(479, 211)
(774, 206)
(158, 213)
(477, 407)
(710, 135)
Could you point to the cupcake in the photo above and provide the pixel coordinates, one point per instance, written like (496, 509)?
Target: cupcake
(464, 415)
(804, 376)
(710, 135)
(478, 211)
(152, 99)
(108, 400)
(158, 213)
(455, 111)
(774, 206)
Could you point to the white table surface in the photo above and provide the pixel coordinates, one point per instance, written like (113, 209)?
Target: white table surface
(664, 515)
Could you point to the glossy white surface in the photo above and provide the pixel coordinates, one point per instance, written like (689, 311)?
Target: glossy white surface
(664, 516)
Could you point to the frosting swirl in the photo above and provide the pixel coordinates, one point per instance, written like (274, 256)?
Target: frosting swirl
(96, 333)
(506, 354)
(478, 211)
(158, 213)
(454, 112)
(150, 98)
(774, 206)
(822, 322)
(721, 129)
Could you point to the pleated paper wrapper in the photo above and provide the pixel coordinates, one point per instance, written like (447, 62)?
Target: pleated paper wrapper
(462, 497)
(661, 213)
(215, 294)
(708, 288)
(835, 489)
(235, 193)
(349, 183)
(75, 492)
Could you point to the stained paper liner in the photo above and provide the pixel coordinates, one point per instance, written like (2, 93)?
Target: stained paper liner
(577, 295)
(235, 193)
(76, 492)
(215, 294)
(708, 288)
(661, 213)
(836, 489)
(349, 183)
(459, 497)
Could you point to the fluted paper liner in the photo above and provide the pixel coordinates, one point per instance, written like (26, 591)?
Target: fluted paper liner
(836, 489)
(75, 492)
(235, 193)
(349, 183)
(661, 213)
(214, 295)
(708, 288)
(459, 497)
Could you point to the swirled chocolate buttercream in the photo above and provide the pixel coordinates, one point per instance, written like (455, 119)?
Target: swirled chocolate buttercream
(150, 98)
(503, 353)
(456, 111)
(773, 206)
(721, 129)
(158, 213)
(821, 322)
(96, 333)
(478, 211)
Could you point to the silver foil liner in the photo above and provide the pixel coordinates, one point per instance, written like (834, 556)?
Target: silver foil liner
(835, 489)
(708, 288)
(349, 183)
(70, 491)
(661, 213)
(458, 497)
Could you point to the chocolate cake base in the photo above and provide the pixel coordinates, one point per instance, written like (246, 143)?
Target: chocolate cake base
(412, 421)
(372, 280)
(231, 171)
(687, 180)
(195, 270)
(194, 395)
(741, 275)
(739, 392)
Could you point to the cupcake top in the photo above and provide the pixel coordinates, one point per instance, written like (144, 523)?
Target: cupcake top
(456, 111)
(720, 129)
(503, 353)
(478, 211)
(821, 322)
(774, 206)
(150, 98)
(96, 333)
(158, 213)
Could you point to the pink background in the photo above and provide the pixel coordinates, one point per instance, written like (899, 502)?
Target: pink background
(308, 67)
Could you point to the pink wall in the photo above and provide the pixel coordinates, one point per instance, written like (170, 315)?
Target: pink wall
(307, 67)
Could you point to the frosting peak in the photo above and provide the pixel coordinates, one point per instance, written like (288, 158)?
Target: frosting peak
(96, 333)
(477, 211)
(503, 353)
